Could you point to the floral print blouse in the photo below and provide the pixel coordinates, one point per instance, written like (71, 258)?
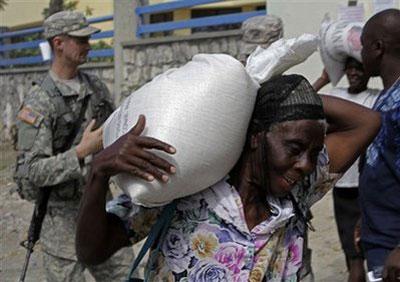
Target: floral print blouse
(208, 238)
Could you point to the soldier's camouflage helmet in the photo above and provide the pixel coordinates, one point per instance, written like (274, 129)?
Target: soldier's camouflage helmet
(68, 22)
(259, 31)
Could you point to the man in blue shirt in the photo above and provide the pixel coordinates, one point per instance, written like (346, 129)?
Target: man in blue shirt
(380, 177)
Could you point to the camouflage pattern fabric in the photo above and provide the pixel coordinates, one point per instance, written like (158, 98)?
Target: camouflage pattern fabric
(44, 123)
(72, 23)
(61, 269)
(259, 31)
(58, 246)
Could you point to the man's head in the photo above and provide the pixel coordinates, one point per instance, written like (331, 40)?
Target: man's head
(381, 41)
(68, 33)
(286, 133)
(356, 76)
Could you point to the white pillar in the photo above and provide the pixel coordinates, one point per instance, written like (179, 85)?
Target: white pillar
(125, 24)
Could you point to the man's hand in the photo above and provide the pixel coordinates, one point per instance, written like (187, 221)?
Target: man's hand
(391, 271)
(321, 81)
(131, 154)
(91, 142)
(325, 76)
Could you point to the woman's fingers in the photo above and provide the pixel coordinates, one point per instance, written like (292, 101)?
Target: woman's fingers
(136, 171)
(132, 155)
(147, 167)
(156, 161)
(139, 126)
(152, 143)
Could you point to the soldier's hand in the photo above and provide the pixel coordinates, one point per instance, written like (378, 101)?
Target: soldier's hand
(130, 154)
(91, 142)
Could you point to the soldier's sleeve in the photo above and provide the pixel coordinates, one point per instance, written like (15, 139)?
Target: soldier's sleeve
(35, 139)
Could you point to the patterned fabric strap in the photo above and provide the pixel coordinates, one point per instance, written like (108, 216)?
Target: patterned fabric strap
(157, 231)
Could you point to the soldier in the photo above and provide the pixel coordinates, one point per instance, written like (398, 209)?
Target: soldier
(58, 131)
(259, 31)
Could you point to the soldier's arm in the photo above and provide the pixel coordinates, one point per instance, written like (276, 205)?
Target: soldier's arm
(35, 140)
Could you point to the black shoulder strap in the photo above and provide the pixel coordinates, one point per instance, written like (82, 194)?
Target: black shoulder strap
(75, 130)
(100, 104)
(97, 96)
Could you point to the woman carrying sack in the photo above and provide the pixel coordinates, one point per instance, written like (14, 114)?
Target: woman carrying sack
(250, 225)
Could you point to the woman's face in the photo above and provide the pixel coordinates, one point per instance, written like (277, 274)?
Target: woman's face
(292, 151)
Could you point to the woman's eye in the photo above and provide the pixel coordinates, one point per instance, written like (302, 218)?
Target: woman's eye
(293, 149)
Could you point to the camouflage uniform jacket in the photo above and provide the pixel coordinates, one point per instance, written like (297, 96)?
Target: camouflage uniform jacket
(44, 124)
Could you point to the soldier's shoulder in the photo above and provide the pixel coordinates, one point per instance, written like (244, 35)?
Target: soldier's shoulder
(96, 81)
(38, 99)
(91, 77)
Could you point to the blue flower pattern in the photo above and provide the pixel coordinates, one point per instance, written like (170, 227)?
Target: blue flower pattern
(388, 103)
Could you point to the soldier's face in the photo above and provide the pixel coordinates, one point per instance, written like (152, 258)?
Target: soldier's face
(76, 49)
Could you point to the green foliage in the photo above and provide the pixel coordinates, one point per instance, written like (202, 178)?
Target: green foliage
(70, 5)
(99, 45)
(88, 11)
(26, 52)
(3, 4)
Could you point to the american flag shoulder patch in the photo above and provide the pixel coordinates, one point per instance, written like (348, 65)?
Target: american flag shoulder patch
(29, 116)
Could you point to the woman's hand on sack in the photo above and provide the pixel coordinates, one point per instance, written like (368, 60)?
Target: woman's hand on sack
(391, 271)
(130, 154)
(91, 142)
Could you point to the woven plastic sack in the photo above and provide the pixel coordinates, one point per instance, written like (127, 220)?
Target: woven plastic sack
(339, 40)
(283, 54)
(203, 109)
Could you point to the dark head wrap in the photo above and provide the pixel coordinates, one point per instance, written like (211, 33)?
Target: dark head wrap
(282, 98)
(285, 98)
